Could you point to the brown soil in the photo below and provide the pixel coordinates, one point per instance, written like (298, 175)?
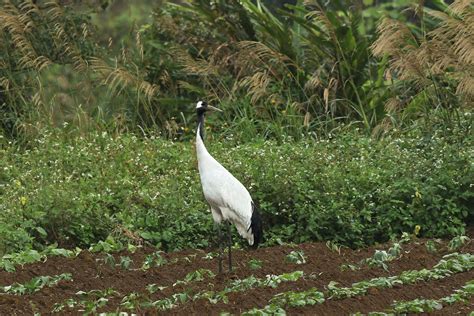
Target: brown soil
(90, 272)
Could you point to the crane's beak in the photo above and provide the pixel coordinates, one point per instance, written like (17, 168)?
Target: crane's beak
(210, 107)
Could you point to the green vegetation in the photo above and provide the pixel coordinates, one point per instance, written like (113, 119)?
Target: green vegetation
(255, 264)
(428, 305)
(88, 301)
(300, 70)
(195, 276)
(296, 256)
(239, 285)
(153, 260)
(457, 242)
(91, 300)
(381, 258)
(449, 265)
(96, 298)
(292, 299)
(35, 284)
(424, 306)
(201, 286)
(9, 261)
(349, 123)
(350, 189)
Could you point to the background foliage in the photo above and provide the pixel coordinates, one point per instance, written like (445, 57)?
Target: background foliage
(350, 189)
(347, 120)
(298, 70)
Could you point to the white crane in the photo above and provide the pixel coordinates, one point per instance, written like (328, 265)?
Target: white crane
(227, 197)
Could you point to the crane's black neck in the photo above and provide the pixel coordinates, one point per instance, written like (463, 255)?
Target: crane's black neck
(200, 115)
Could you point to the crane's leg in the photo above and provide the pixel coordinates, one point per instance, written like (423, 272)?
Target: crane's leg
(217, 217)
(229, 232)
(221, 249)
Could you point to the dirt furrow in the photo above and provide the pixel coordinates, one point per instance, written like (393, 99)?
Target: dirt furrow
(381, 299)
(90, 272)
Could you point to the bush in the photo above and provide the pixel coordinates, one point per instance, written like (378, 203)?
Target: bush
(350, 189)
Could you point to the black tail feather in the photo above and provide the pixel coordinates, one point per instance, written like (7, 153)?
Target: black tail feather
(256, 226)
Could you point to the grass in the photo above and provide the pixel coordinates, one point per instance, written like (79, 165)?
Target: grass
(315, 67)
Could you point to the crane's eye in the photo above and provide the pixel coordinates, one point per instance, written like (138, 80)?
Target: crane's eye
(201, 104)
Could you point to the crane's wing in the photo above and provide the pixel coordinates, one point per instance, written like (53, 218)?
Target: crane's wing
(223, 191)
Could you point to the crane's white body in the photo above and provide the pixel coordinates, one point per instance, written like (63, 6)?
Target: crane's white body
(228, 198)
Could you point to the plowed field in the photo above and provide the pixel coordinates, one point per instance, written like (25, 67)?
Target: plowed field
(187, 282)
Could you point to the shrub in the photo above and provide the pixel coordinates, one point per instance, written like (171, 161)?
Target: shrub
(350, 189)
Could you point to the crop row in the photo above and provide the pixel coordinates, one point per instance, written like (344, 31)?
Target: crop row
(35, 284)
(427, 305)
(449, 265)
(9, 262)
(92, 300)
(380, 258)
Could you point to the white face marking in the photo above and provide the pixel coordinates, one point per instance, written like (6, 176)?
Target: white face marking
(199, 104)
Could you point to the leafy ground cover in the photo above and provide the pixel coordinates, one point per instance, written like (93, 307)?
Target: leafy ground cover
(416, 279)
(350, 189)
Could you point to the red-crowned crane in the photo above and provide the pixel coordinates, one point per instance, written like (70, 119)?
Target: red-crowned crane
(228, 199)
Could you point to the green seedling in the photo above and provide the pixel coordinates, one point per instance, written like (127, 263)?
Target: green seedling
(457, 242)
(211, 255)
(297, 299)
(333, 246)
(131, 301)
(296, 256)
(153, 288)
(35, 284)
(125, 262)
(194, 276)
(255, 264)
(9, 261)
(154, 260)
(431, 246)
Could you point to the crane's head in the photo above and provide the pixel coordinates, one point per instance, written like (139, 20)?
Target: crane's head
(202, 107)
